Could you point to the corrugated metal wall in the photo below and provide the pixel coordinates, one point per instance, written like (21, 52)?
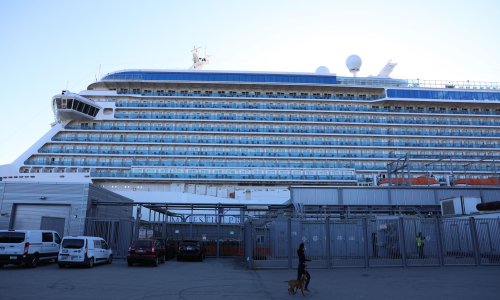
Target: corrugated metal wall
(386, 196)
(44, 196)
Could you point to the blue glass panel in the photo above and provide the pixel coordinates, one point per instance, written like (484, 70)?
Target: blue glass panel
(445, 95)
(221, 77)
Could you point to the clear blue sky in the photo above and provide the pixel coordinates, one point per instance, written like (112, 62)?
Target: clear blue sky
(47, 46)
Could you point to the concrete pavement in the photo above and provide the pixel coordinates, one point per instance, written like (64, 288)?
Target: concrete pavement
(228, 279)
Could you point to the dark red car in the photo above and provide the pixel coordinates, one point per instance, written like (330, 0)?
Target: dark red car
(146, 251)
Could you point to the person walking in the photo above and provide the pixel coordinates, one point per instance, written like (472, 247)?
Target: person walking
(302, 265)
(420, 240)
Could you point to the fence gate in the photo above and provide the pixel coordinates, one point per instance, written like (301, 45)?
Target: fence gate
(118, 233)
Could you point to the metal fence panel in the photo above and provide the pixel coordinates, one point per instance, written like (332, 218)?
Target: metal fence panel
(457, 242)
(488, 232)
(347, 243)
(429, 253)
(384, 243)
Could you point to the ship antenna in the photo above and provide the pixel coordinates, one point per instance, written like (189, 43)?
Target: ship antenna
(198, 62)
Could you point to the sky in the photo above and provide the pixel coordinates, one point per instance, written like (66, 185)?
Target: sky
(48, 45)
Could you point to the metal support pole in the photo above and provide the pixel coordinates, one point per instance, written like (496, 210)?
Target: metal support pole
(365, 236)
(439, 242)
(290, 246)
(137, 222)
(402, 246)
(475, 242)
(328, 248)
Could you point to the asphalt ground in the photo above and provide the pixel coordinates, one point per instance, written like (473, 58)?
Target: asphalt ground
(229, 279)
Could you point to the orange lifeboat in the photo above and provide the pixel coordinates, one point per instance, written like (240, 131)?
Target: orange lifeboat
(428, 181)
(476, 181)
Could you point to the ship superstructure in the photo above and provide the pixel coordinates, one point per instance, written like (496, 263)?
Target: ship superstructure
(197, 135)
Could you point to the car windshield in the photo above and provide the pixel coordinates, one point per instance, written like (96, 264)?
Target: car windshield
(142, 244)
(12, 237)
(190, 243)
(73, 243)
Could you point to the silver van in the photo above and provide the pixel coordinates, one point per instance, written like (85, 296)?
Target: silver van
(84, 250)
(28, 247)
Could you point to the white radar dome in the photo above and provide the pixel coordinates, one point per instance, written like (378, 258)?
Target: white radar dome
(322, 70)
(353, 63)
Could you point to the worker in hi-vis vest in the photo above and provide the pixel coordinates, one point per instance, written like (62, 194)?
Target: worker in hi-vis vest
(420, 244)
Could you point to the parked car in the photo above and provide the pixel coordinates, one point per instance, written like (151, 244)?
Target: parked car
(28, 247)
(191, 249)
(146, 251)
(84, 250)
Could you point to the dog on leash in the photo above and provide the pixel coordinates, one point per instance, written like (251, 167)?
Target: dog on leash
(294, 285)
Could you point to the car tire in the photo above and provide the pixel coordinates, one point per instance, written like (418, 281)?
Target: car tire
(90, 263)
(129, 263)
(33, 261)
(61, 266)
(1, 266)
(156, 261)
(110, 259)
(163, 259)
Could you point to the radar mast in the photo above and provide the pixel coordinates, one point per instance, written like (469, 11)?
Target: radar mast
(198, 62)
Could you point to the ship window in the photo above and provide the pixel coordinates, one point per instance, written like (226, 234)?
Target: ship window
(442, 108)
(454, 109)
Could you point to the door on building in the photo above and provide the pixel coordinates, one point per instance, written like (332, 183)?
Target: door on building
(33, 216)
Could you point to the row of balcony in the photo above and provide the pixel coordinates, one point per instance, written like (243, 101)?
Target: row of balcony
(301, 107)
(241, 141)
(202, 128)
(364, 166)
(149, 115)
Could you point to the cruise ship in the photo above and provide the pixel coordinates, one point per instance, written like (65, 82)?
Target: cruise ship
(201, 136)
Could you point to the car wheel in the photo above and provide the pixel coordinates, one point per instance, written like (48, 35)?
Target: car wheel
(61, 266)
(163, 259)
(156, 261)
(110, 259)
(129, 263)
(90, 264)
(33, 262)
(1, 265)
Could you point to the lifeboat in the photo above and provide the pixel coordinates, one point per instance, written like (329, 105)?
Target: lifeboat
(476, 181)
(427, 181)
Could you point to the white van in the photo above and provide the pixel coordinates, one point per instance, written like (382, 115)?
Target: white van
(84, 250)
(28, 246)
